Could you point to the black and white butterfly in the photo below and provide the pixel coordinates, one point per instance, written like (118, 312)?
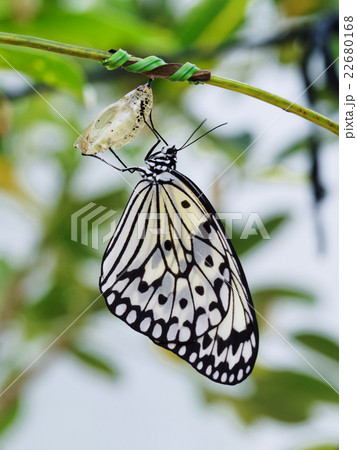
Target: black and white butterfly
(171, 273)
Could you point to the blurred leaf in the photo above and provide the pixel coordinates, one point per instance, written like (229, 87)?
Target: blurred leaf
(156, 11)
(52, 305)
(211, 22)
(290, 52)
(298, 146)
(266, 297)
(235, 147)
(54, 70)
(282, 395)
(321, 344)
(8, 180)
(334, 46)
(5, 116)
(58, 224)
(9, 414)
(293, 8)
(113, 28)
(272, 294)
(271, 225)
(55, 309)
(94, 361)
(280, 174)
(6, 273)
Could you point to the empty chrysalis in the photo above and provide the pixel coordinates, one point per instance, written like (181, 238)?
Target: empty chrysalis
(117, 124)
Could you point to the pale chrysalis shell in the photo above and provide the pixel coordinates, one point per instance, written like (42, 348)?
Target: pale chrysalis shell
(117, 124)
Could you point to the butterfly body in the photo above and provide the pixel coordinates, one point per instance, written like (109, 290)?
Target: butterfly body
(171, 273)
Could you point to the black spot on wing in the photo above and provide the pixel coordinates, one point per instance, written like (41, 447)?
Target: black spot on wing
(217, 284)
(213, 305)
(205, 229)
(209, 261)
(200, 290)
(168, 245)
(183, 303)
(143, 286)
(222, 267)
(206, 341)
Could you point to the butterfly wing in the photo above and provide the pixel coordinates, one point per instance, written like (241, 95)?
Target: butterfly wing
(226, 353)
(166, 269)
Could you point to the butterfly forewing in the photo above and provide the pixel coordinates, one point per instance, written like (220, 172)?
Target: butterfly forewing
(165, 271)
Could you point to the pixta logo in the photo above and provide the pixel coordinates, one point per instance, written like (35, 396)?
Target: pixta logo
(93, 225)
(87, 225)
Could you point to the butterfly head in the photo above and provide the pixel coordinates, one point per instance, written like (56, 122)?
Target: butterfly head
(163, 160)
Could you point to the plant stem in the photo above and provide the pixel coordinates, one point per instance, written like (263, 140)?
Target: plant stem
(224, 83)
(53, 46)
(273, 99)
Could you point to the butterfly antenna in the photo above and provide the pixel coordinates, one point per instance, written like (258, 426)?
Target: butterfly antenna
(192, 134)
(186, 144)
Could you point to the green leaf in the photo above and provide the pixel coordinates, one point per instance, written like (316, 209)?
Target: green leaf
(321, 344)
(234, 147)
(6, 276)
(95, 362)
(304, 7)
(299, 146)
(57, 71)
(101, 29)
(211, 22)
(53, 304)
(244, 245)
(283, 395)
(271, 294)
(9, 414)
(265, 298)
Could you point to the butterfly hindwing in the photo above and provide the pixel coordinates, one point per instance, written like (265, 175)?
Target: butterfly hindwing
(226, 353)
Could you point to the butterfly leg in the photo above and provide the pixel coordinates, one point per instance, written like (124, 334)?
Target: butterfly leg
(117, 157)
(125, 169)
(103, 160)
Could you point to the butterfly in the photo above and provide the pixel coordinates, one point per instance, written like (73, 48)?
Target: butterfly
(171, 273)
(117, 124)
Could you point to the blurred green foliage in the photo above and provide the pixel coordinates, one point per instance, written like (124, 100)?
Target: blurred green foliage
(42, 294)
(321, 344)
(283, 395)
